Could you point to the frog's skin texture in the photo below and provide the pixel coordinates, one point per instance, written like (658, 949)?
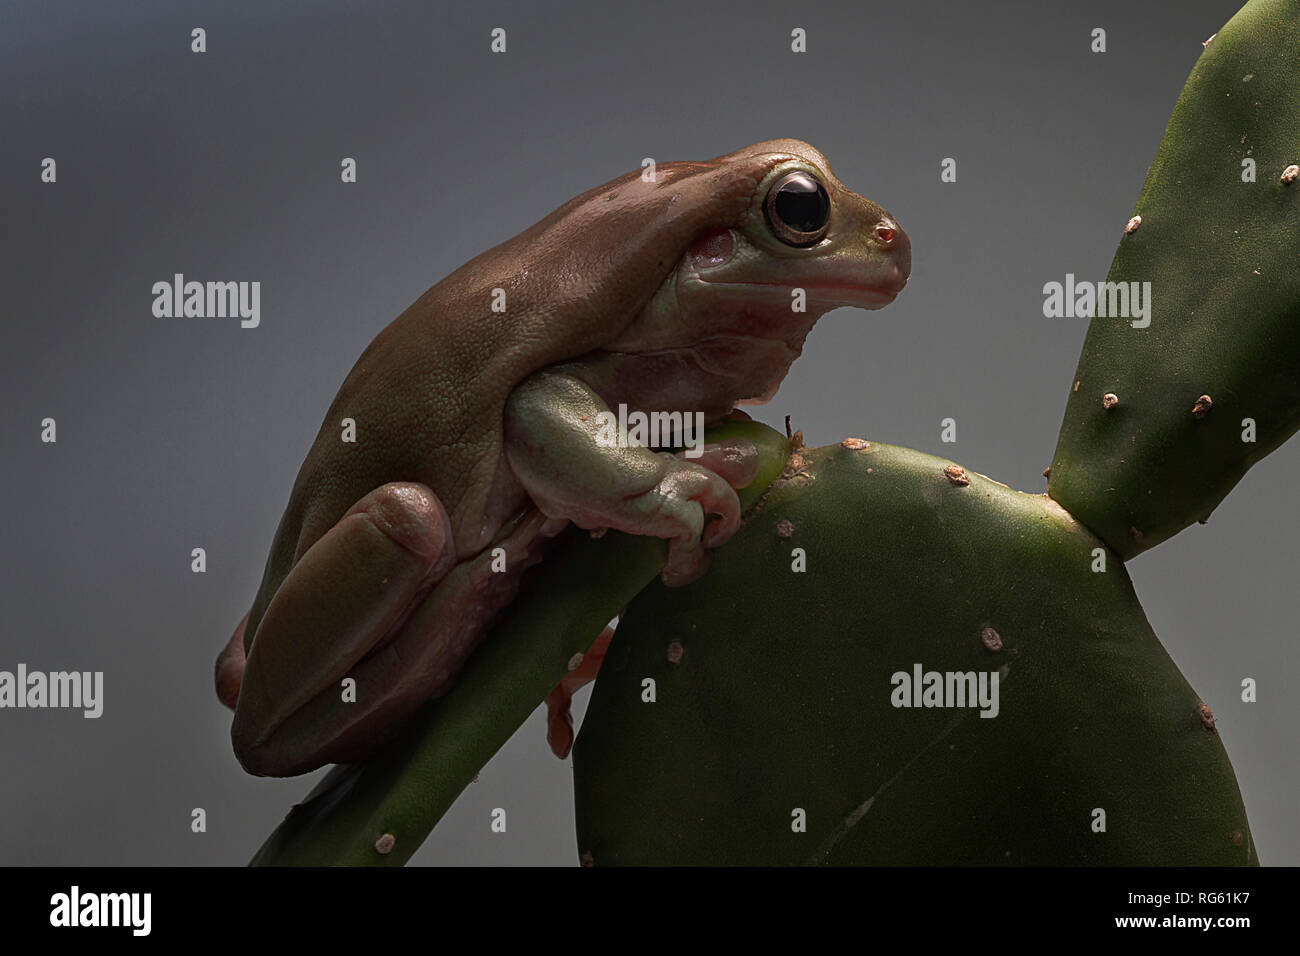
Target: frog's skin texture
(476, 429)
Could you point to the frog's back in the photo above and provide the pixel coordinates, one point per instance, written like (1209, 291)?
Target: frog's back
(425, 405)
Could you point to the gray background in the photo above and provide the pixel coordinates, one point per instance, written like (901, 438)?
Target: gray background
(179, 433)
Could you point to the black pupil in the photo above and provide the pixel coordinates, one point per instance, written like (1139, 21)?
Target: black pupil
(801, 203)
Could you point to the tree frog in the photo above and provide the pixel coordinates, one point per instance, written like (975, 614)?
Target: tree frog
(477, 430)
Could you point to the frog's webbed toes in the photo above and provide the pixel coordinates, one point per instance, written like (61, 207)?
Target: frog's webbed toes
(691, 492)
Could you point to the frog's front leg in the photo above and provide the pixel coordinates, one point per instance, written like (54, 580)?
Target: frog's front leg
(558, 450)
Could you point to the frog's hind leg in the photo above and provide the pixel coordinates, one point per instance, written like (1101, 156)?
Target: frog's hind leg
(559, 719)
(349, 594)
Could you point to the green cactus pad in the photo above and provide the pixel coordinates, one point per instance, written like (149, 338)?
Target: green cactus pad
(1223, 260)
(773, 692)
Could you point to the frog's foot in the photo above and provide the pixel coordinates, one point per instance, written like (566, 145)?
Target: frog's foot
(712, 482)
(559, 720)
(555, 443)
(709, 479)
(230, 667)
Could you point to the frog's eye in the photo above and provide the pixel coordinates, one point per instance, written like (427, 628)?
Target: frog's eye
(798, 209)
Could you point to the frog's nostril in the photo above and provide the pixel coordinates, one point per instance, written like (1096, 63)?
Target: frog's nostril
(897, 247)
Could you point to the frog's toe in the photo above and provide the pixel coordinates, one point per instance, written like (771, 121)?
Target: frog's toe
(687, 561)
(734, 460)
(230, 667)
(719, 498)
(559, 719)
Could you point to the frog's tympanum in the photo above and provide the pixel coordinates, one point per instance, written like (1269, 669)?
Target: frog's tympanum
(478, 433)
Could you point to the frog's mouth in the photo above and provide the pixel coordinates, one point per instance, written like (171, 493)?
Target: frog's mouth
(830, 294)
(827, 283)
(822, 294)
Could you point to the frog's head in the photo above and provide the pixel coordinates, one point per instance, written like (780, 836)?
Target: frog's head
(804, 229)
(805, 244)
